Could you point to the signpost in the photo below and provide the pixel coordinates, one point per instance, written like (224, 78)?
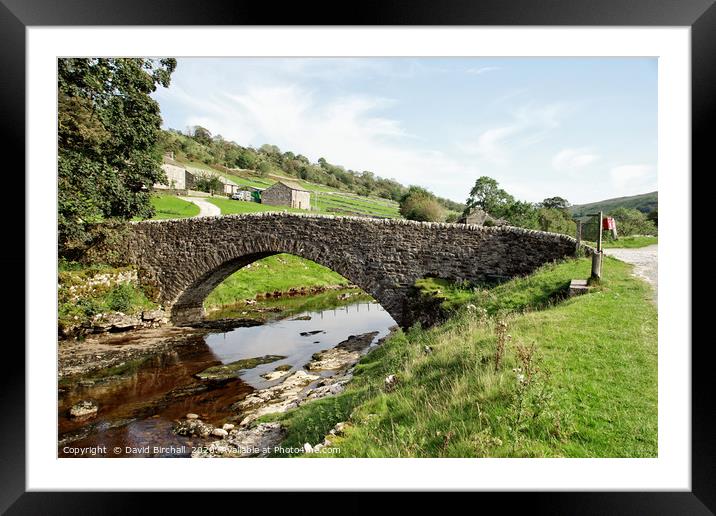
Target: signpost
(597, 257)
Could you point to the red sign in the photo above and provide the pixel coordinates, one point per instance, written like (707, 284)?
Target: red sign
(608, 223)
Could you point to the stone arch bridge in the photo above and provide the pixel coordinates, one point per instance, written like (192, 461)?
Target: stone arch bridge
(184, 260)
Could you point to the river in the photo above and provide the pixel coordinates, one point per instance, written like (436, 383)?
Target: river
(140, 404)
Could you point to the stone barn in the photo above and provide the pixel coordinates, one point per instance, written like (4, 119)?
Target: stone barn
(176, 175)
(287, 193)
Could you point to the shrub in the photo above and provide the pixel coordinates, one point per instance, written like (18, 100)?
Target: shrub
(419, 204)
(121, 298)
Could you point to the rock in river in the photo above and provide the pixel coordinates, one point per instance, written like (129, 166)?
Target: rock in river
(245, 442)
(274, 375)
(83, 409)
(231, 370)
(344, 354)
(278, 398)
(193, 427)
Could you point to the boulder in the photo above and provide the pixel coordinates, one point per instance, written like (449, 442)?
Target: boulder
(193, 427)
(153, 315)
(83, 409)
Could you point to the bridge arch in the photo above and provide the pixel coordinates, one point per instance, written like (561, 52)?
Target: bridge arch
(184, 260)
(188, 306)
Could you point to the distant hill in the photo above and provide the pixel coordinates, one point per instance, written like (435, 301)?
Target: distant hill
(645, 203)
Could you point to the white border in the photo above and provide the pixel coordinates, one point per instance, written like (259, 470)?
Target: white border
(672, 468)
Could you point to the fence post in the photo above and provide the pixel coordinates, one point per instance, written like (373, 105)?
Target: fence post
(597, 257)
(597, 265)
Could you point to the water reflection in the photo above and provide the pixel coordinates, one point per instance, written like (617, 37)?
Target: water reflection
(284, 337)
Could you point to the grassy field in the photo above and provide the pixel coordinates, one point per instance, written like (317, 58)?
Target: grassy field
(575, 378)
(628, 242)
(171, 207)
(327, 205)
(280, 272)
(230, 207)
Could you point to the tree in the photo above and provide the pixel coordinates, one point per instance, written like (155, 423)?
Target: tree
(263, 168)
(419, 204)
(201, 135)
(108, 125)
(556, 220)
(558, 203)
(210, 184)
(521, 213)
(488, 196)
(246, 159)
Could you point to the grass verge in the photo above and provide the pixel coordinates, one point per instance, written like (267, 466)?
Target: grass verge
(576, 378)
(628, 242)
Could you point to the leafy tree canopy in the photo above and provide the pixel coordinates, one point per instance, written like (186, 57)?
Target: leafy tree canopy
(108, 127)
(559, 203)
(487, 195)
(549, 215)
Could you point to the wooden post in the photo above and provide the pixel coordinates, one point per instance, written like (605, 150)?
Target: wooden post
(597, 266)
(579, 232)
(597, 257)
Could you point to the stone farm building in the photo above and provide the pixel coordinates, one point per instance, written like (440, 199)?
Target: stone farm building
(176, 175)
(479, 217)
(182, 177)
(287, 193)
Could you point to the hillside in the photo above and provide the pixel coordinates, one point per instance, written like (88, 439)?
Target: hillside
(335, 189)
(645, 203)
(324, 199)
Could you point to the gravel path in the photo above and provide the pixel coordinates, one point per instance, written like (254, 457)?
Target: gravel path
(645, 261)
(206, 209)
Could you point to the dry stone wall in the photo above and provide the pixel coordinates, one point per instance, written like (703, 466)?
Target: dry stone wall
(185, 259)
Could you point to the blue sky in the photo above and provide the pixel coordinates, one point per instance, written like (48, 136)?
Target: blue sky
(581, 128)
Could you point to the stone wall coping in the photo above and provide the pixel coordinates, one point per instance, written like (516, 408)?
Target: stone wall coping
(370, 220)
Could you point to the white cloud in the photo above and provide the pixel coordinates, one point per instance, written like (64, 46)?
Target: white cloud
(529, 125)
(633, 179)
(573, 159)
(345, 130)
(483, 69)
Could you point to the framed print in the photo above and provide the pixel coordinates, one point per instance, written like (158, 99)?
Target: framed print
(414, 250)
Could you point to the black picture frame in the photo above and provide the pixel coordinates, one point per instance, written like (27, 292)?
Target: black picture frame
(17, 15)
